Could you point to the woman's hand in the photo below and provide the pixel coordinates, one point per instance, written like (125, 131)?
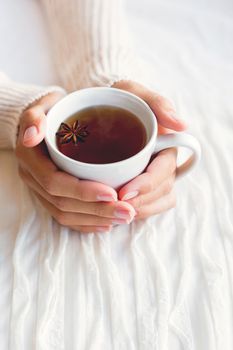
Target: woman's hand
(152, 192)
(85, 206)
(90, 206)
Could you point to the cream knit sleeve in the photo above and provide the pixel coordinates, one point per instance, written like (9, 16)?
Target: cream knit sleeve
(91, 42)
(92, 47)
(14, 98)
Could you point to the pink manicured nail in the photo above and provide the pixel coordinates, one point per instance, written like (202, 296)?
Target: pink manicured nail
(130, 195)
(121, 221)
(30, 133)
(123, 214)
(106, 198)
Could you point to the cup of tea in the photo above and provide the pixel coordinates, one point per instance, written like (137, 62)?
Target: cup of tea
(109, 135)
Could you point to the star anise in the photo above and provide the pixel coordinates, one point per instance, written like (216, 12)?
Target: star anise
(74, 133)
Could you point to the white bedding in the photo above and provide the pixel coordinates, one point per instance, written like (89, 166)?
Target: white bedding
(163, 284)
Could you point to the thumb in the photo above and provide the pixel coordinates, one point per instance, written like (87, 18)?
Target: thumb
(33, 120)
(32, 126)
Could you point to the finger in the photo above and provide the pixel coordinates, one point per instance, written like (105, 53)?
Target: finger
(32, 127)
(163, 108)
(162, 130)
(59, 183)
(121, 210)
(165, 112)
(77, 219)
(91, 229)
(32, 122)
(143, 200)
(163, 165)
(163, 204)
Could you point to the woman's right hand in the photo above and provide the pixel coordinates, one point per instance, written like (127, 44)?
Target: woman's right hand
(85, 206)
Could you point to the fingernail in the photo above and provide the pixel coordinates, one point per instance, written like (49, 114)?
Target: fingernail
(174, 116)
(123, 214)
(106, 198)
(103, 229)
(30, 133)
(122, 221)
(130, 195)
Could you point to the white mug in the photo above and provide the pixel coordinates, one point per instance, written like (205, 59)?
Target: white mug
(118, 173)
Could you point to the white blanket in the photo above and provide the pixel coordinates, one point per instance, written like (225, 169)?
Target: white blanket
(163, 284)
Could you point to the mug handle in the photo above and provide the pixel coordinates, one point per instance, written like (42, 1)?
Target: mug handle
(180, 140)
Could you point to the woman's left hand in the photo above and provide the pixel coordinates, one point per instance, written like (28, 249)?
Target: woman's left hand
(152, 192)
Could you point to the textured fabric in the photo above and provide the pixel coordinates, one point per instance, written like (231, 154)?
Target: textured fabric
(14, 98)
(92, 44)
(162, 284)
(92, 47)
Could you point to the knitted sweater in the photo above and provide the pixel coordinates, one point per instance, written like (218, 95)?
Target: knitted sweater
(91, 47)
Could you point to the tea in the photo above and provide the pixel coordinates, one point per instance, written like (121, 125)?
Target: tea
(101, 134)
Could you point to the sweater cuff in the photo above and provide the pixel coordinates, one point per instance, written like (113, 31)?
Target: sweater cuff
(106, 74)
(14, 99)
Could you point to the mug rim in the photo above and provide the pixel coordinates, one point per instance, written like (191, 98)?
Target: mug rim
(102, 165)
